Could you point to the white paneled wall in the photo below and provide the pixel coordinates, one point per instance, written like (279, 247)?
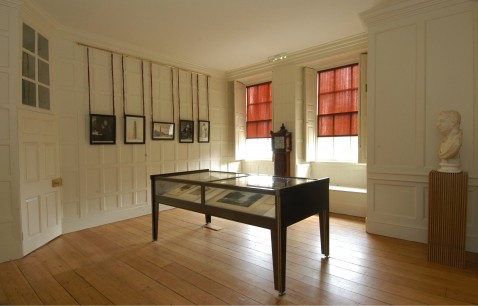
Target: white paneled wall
(104, 183)
(422, 60)
(10, 233)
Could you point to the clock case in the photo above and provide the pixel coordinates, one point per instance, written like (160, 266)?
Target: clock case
(281, 147)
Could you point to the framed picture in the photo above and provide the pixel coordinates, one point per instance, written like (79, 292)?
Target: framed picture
(102, 129)
(162, 131)
(203, 131)
(134, 129)
(186, 131)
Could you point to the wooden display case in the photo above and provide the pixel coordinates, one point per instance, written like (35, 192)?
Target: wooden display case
(270, 202)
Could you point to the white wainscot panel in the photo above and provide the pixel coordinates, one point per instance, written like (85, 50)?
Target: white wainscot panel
(127, 199)
(169, 151)
(472, 220)
(110, 180)
(4, 89)
(193, 151)
(32, 170)
(111, 202)
(69, 157)
(66, 70)
(69, 190)
(183, 151)
(4, 124)
(101, 79)
(110, 154)
(141, 177)
(215, 150)
(93, 179)
(127, 178)
(33, 216)
(205, 151)
(5, 199)
(206, 164)
(193, 165)
(4, 45)
(68, 129)
(168, 167)
(141, 197)
(51, 203)
(93, 206)
(5, 161)
(181, 166)
(93, 155)
(127, 153)
(395, 200)
(395, 98)
(71, 210)
(156, 151)
(4, 20)
(140, 153)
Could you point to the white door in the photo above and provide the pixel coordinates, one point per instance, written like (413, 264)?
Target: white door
(39, 165)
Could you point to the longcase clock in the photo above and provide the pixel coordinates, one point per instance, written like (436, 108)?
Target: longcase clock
(281, 147)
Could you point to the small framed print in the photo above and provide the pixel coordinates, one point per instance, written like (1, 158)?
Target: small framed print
(203, 131)
(162, 131)
(134, 129)
(102, 129)
(186, 131)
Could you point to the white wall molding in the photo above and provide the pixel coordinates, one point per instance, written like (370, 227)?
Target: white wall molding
(351, 45)
(403, 9)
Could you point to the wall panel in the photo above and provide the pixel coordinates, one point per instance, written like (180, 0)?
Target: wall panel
(395, 97)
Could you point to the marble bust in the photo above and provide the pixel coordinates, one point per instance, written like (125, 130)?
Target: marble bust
(448, 124)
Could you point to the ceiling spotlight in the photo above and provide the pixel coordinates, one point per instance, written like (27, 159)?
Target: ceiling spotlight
(277, 57)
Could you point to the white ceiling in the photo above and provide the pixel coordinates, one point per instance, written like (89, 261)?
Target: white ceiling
(215, 34)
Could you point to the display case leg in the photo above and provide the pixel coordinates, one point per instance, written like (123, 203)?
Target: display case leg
(278, 242)
(155, 215)
(324, 231)
(208, 219)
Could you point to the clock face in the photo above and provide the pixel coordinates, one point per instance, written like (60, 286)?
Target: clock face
(279, 142)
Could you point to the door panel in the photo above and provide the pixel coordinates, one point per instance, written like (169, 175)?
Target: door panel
(39, 164)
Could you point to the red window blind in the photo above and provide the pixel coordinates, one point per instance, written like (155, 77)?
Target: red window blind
(338, 101)
(259, 110)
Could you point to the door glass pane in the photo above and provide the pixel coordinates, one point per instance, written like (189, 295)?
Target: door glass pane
(42, 47)
(28, 66)
(43, 72)
(28, 38)
(43, 97)
(28, 93)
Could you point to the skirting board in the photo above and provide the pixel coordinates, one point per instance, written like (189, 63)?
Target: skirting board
(348, 202)
(397, 231)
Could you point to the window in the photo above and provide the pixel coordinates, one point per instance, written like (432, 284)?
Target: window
(259, 110)
(337, 122)
(35, 69)
(259, 121)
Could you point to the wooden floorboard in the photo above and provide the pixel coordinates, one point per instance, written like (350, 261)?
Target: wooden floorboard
(118, 263)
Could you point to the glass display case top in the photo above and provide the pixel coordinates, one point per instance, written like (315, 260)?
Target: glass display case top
(207, 176)
(266, 181)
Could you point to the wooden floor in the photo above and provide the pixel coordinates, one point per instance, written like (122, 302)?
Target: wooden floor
(119, 264)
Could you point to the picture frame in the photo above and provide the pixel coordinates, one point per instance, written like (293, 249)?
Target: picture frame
(102, 129)
(162, 130)
(204, 131)
(186, 131)
(134, 129)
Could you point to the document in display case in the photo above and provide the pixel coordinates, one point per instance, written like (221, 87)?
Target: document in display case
(266, 201)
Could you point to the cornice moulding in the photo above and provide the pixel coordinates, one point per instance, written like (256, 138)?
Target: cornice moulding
(404, 8)
(357, 44)
(12, 3)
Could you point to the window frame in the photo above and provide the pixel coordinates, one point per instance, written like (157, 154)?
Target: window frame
(38, 81)
(353, 116)
(269, 121)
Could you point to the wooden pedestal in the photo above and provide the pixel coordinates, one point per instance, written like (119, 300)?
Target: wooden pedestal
(447, 218)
